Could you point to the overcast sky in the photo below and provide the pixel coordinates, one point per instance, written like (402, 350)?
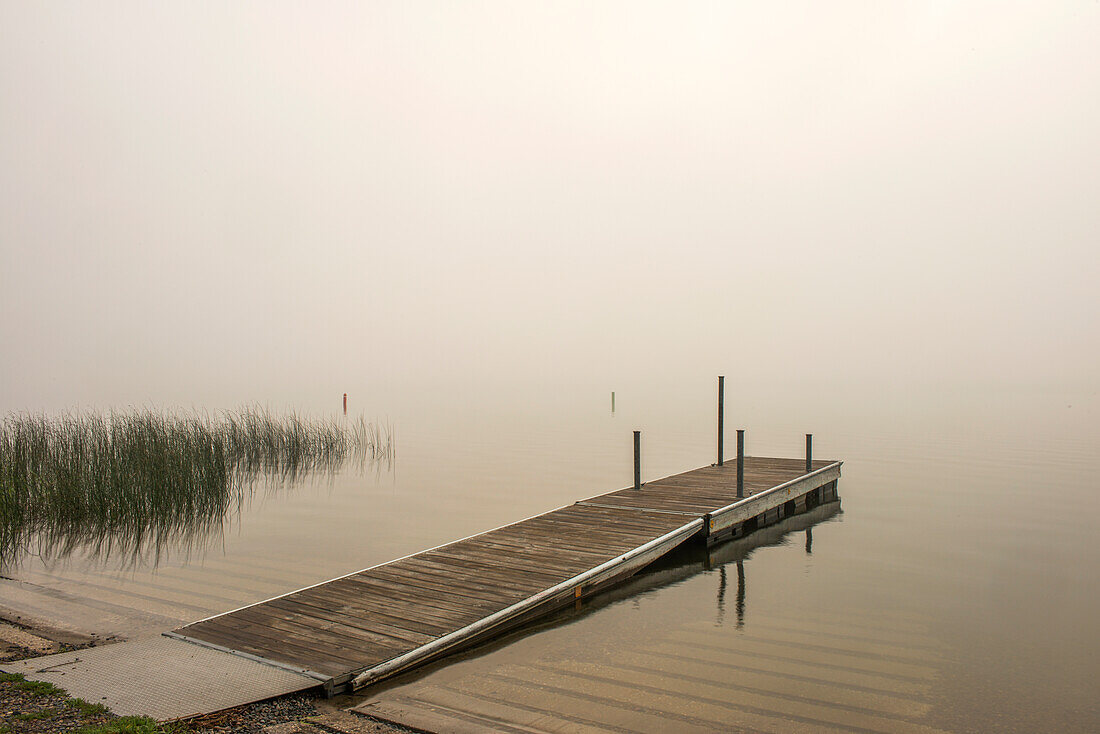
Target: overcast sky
(207, 200)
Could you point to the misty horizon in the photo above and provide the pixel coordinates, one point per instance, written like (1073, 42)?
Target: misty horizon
(258, 198)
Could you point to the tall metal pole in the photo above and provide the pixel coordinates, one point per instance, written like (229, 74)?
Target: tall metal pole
(809, 452)
(721, 414)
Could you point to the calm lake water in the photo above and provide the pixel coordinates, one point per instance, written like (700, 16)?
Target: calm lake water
(953, 587)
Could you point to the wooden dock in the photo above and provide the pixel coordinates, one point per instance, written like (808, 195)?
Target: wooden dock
(357, 629)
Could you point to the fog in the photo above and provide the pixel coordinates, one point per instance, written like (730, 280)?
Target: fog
(214, 203)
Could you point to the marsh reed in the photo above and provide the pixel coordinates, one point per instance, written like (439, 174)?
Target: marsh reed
(135, 483)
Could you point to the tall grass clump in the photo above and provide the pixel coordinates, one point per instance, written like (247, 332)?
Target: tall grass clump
(128, 483)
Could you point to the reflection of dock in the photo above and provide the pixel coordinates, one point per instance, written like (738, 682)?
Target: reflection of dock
(369, 625)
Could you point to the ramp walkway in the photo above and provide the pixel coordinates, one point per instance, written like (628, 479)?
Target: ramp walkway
(160, 677)
(360, 628)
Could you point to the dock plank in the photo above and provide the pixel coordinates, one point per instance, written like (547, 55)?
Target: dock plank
(389, 626)
(462, 572)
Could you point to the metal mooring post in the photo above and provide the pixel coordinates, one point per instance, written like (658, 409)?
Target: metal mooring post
(809, 451)
(721, 414)
(637, 459)
(740, 463)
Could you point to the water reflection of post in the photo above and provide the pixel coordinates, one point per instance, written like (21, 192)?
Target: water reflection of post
(809, 541)
(721, 594)
(740, 594)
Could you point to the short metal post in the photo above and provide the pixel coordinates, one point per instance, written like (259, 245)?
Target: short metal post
(721, 414)
(740, 463)
(809, 451)
(637, 459)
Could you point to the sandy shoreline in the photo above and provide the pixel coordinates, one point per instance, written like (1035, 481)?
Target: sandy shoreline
(21, 637)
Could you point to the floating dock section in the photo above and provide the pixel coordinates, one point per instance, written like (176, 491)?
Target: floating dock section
(372, 624)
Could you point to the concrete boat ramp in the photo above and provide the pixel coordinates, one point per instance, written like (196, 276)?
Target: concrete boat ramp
(161, 677)
(358, 629)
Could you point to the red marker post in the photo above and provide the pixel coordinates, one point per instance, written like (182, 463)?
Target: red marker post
(345, 403)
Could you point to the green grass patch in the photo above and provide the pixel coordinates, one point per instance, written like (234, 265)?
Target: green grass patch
(88, 709)
(11, 677)
(40, 688)
(43, 714)
(129, 725)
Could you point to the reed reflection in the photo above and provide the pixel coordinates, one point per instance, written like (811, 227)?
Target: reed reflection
(132, 486)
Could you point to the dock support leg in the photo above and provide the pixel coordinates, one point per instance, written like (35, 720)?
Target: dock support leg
(721, 414)
(740, 463)
(637, 459)
(809, 451)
